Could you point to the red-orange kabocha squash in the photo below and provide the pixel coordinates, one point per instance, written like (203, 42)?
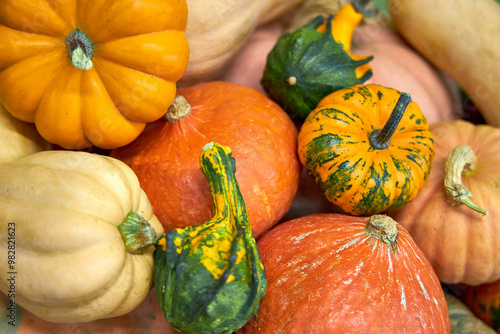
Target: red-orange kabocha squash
(460, 241)
(261, 135)
(335, 273)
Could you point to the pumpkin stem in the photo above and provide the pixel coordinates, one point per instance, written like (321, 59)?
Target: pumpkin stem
(179, 108)
(385, 229)
(81, 49)
(379, 138)
(460, 161)
(137, 233)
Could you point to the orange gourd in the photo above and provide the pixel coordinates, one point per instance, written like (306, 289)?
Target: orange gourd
(263, 140)
(334, 273)
(91, 72)
(460, 242)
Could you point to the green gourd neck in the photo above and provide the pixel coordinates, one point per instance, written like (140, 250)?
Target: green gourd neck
(219, 168)
(138, 235)
(380, 138)
(80, 49)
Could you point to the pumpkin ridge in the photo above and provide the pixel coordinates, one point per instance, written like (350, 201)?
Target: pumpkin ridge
(10, 78)
(133, 108)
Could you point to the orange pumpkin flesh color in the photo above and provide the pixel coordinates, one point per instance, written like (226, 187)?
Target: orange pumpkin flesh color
(459, 241)
(91, 73)
(263, 140)
(335, 273)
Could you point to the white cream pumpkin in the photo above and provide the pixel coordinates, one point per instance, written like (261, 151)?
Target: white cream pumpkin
(60, 212)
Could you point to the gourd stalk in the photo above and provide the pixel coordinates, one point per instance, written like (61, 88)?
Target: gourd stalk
(380, 138)
(461, 161)
(137, 233)
(80, 49)
(385, 229)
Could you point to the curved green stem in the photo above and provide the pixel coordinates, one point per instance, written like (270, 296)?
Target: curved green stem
(460, 161)
(379, 138)
(137, 233)
(80, 49)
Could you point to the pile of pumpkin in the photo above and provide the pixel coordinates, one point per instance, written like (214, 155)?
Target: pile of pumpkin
(263, 167)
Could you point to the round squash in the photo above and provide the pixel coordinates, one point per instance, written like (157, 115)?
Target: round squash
(459, 242)
(70, 254)
(394, 63)
(145, 319)
(334, 273)
(261, 135)
(18, 138)
(89, 72)
(368, 147)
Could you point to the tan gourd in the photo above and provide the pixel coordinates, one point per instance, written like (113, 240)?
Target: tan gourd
(218, 29)
(462, 39)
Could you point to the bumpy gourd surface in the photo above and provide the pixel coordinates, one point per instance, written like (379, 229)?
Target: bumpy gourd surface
(209, 278)
(334, 147)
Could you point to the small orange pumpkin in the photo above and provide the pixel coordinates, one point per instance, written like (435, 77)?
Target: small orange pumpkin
(368, 147)
(91, 72)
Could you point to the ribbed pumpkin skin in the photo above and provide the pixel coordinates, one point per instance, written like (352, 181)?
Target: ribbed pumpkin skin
(334, 147)
(140, 52)
(461, 244)
(263, 140)
(325, 275)
(71, 261)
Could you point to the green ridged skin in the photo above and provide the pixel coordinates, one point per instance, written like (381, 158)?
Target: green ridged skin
(335, 148)
(319, 64)
(209, 278)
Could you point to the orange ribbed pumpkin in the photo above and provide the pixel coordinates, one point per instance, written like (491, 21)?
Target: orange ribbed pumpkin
(335, 273)
(91, 72)
(263, 140)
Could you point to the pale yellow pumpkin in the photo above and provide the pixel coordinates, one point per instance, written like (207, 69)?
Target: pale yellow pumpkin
(60, 212)
(18, 138)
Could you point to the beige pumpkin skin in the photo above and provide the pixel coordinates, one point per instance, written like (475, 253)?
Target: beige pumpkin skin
(461, 244)
(218, 29)
(63, 209)
(18, 138)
